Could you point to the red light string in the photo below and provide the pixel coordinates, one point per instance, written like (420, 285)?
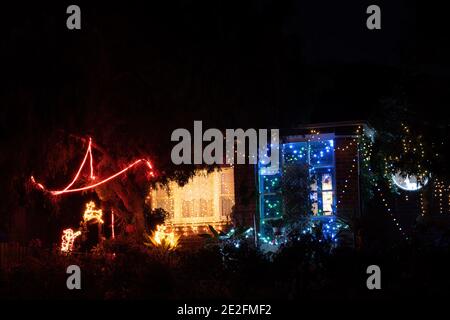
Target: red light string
(68, 189)
(88, 153)
(112, 224)
(90, 156)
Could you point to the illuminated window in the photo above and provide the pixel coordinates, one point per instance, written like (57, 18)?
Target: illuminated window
(318, 156)
(322, 191)
(206, 199)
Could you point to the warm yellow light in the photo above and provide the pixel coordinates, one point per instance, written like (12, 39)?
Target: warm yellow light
(162, 238)
(91, 213)
(207, 199)
(68, 239)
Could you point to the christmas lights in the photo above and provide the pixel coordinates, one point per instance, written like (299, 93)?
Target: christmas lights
(161, 238)
(207, 199)
(67, 240)
(346, 182)
(112, 225)
(330, 228)
(318, 154)
(365, 150)
(68, 188)
(422, 205)
(412, 147)
(391, 215)
(92, 214)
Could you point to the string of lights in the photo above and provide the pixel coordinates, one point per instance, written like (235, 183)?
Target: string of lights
(68, 188)
(113, 236)
(365, 149)
(422, 204)
(388, 208)
(346, 182)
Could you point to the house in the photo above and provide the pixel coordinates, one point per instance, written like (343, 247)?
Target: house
(250, 195)
(207, 199)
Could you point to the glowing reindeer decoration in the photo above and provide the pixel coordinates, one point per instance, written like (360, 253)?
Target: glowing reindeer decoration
(92, 214)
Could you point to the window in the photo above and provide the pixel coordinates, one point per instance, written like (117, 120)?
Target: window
(206, 199)
(322, 191)
(318, 154)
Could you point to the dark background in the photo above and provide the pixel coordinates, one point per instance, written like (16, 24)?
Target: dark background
(138, 70)
(278, 63)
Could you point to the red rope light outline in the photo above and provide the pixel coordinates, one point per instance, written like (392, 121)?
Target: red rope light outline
(68, 189)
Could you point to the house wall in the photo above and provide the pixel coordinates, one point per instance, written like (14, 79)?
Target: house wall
(347, 189)
(246, 195)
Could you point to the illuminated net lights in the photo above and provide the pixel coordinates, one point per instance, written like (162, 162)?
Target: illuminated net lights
(68, 239)
(207, 199)
(163, 239)
(95, 182)
(92, 214)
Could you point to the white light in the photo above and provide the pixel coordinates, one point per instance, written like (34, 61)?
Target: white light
(408, 182)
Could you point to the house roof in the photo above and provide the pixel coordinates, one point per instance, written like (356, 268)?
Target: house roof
(341, 128)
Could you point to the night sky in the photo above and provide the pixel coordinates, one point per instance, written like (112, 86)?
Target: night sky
(263, 55)
(228, 63)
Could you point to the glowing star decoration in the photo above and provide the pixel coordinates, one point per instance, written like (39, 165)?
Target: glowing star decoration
(68, 238)
(95, 182)
(409, 182)
(91, 213)
(163, 239)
